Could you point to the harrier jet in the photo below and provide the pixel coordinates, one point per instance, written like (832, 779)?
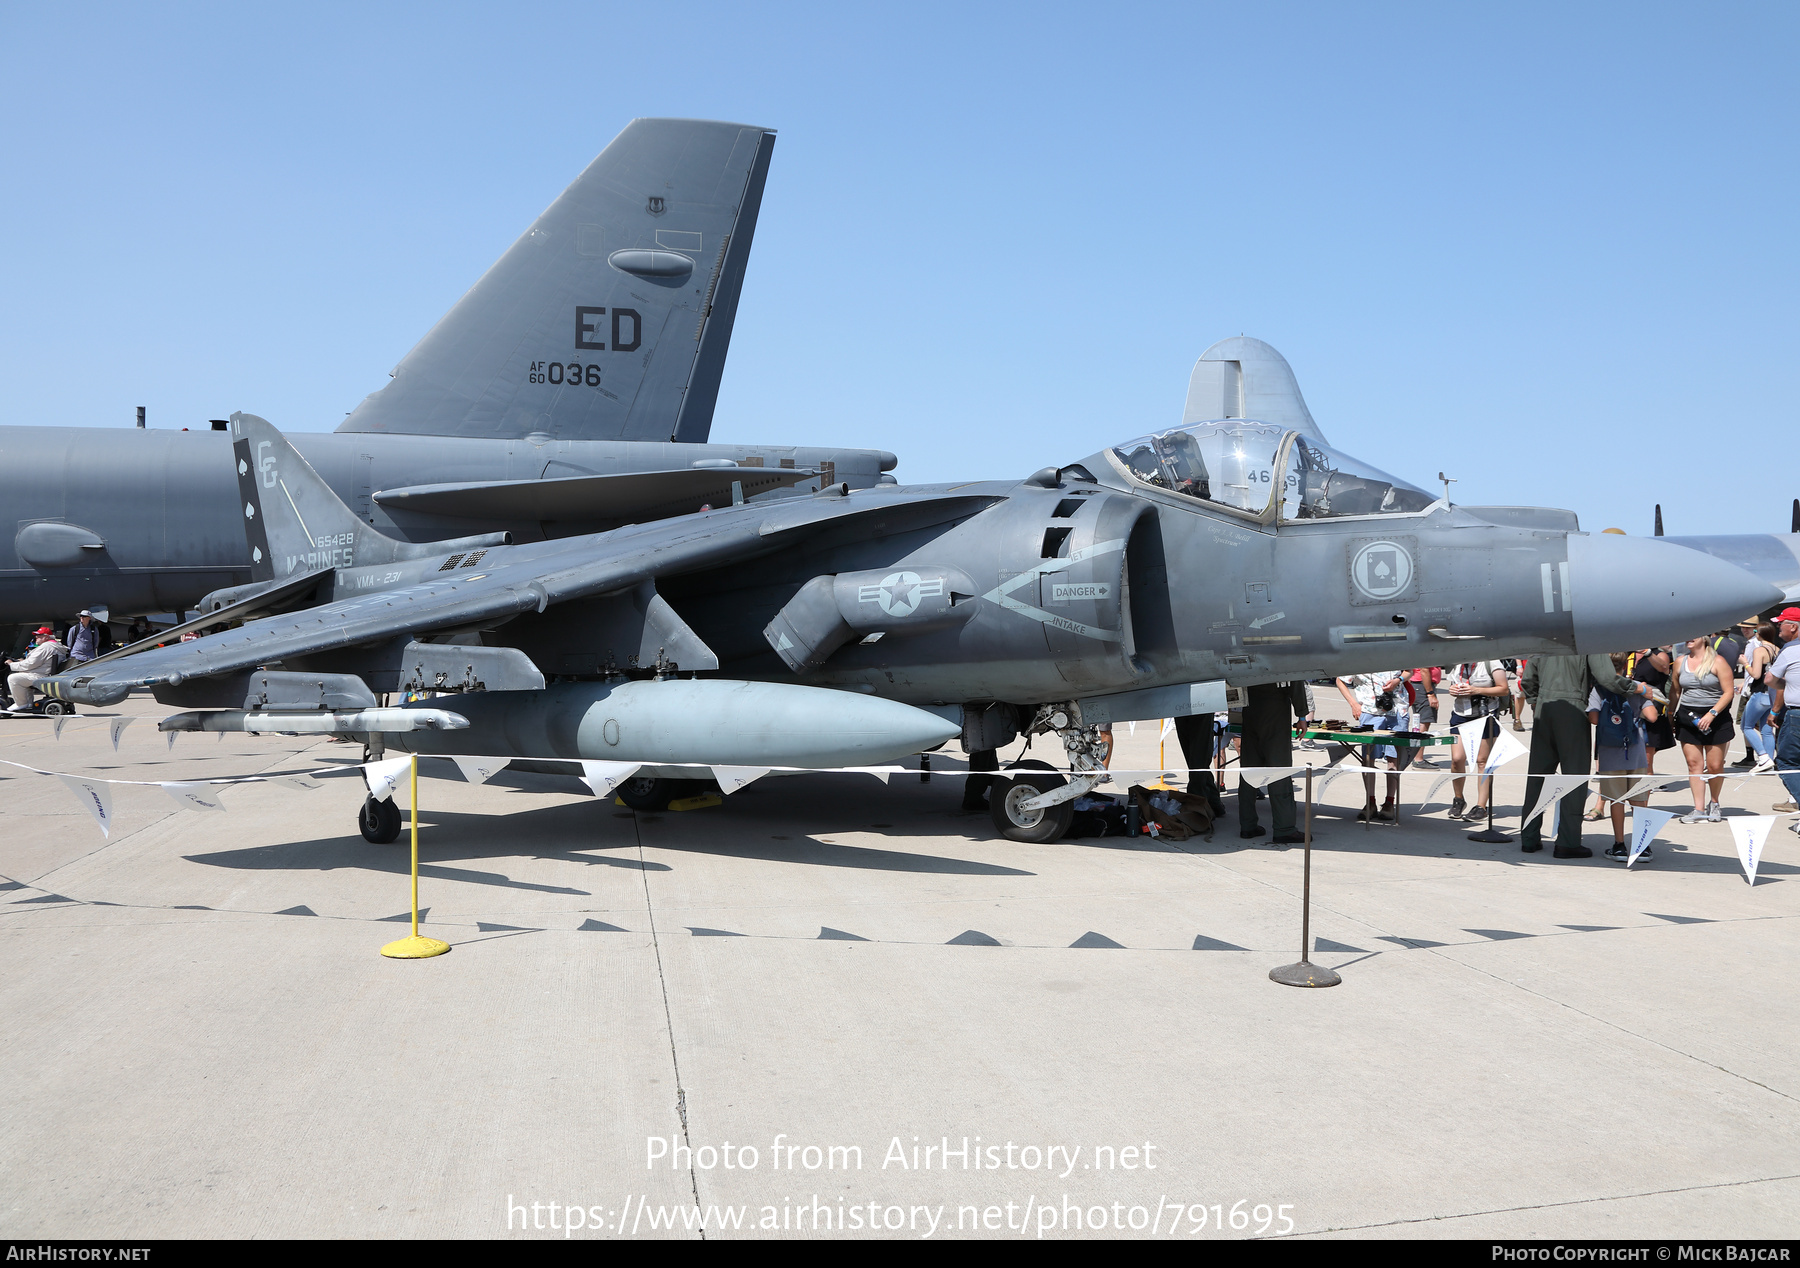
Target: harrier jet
(1137, 582)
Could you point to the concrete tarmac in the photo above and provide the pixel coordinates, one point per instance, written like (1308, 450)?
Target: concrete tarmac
(201, 1039)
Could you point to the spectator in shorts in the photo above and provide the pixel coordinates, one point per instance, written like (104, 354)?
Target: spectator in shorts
(1704, 687)
(1374, 701)
(1515, 672)
(1621, 752)
(1783, 677)
(1477, 689)
(1422, 685)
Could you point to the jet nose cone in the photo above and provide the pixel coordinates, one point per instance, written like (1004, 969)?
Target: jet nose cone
(1632, 592)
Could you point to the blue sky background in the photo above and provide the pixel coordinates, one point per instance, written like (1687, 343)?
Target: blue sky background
(1548, 249)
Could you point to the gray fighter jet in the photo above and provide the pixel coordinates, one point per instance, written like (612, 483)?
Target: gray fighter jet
(570, 390)
(1136, 583)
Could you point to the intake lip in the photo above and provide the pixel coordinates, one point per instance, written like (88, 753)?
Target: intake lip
(1632, 592)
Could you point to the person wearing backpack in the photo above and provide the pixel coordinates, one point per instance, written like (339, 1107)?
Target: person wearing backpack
(1621, 752)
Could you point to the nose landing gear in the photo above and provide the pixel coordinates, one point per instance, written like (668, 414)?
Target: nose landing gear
(1038, 804)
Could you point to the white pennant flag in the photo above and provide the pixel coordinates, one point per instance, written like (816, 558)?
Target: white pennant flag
(1260, 777)
(1470, 734)
(117, 728)
(1168, 724)
(1554, 789)
(294, 781)
(172, 735)
(880, 772)
(603, 777)
(193, 796)
(1350, 761)
(478, 770)
(1505, 749)
(1750, 835)
(56, 724)
(95, 796)
(384, 776)
(732, 778)
(1132, 726)
(1645, 824)
(1436, 784)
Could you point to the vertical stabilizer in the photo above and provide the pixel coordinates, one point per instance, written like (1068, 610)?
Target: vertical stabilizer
(293, 521)
(1246, 378)
(611, 317)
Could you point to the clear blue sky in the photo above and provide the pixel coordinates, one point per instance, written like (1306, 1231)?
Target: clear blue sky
(1546, 248)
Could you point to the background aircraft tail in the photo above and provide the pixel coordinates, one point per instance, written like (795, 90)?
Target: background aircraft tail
(293, 521)
(610, 318)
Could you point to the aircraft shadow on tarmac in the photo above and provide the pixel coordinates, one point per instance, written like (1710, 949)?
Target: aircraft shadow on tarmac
(589, 829)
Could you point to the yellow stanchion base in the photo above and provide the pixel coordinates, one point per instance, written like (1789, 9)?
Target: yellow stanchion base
(697, 803)
(417, 947)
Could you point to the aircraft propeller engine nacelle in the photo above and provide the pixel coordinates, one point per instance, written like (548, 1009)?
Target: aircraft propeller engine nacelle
(830, 611)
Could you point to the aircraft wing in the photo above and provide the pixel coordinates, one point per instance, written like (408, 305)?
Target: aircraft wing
(627, 496)
(519, 579)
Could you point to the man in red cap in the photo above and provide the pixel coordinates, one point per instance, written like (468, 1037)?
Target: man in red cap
(1783, 677)
(36, 665)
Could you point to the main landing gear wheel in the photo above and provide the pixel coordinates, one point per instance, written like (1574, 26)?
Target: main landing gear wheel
(648, 794)
(1030, 778)
(379, 821)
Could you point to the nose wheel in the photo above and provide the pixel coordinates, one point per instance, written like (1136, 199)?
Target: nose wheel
(1027, 780)
(379, 821)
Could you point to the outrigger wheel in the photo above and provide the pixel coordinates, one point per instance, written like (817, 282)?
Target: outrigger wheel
(649, 794)
(1030, 778)
(379, 821)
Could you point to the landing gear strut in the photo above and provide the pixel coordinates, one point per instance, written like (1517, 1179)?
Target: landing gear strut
(1039, 805)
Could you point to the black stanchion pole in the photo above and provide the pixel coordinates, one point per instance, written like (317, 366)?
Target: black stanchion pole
(1490, 835)
(1306, 973)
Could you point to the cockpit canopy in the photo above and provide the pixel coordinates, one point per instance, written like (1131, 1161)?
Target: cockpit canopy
(1244, 465)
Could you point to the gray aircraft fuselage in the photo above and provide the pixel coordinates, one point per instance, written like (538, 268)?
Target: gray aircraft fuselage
(152, 522)
(1088, 589)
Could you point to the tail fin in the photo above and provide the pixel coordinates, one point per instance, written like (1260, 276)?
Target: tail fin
(294, 522)
(611, 317)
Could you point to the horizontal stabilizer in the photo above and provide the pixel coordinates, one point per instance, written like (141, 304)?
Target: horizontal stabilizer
(610, 318)
(629, 497)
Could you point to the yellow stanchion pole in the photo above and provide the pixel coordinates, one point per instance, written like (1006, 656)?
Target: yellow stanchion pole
(415, 947)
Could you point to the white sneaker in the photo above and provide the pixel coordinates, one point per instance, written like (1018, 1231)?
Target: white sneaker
(1713, 813)
(1693, 816)
(1763, 766)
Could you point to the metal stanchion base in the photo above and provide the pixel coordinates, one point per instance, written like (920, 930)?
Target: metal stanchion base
(417, 947)
(1305, 973)
(1491, 836)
